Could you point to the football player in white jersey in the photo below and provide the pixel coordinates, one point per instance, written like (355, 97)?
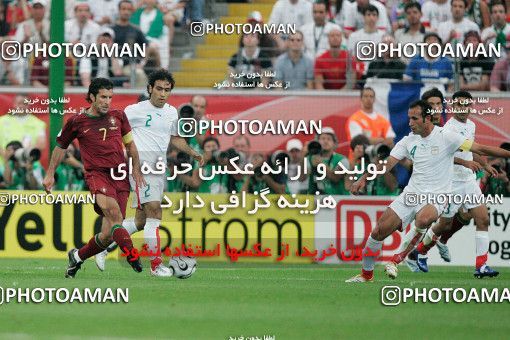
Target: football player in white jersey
(432, 151)
(435, 99)
(154, 125)
(464, 184)
(466, 165)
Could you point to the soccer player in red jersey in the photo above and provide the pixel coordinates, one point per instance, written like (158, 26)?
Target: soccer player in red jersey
(101, 133)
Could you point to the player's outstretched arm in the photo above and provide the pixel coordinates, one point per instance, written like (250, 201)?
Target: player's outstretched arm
(478, 163)
(472, 165)
(486, 150)
(359, 185)
(56, 157)
(132, 152)
(486, 166)
(180, 143)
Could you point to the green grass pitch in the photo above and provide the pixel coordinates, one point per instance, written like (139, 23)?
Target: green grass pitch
(234, 300)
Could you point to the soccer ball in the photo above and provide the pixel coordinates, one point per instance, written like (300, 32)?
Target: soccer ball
(183, 266)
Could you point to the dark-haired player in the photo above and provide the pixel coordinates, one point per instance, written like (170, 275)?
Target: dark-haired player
(461, 218)
(432, 151)
(155, 126)
(101, 133)
(434, 97)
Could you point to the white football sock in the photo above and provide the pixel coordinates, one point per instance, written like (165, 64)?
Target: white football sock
(482, 242)
(373, 246)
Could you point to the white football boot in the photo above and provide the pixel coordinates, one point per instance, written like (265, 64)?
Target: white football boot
(162, 271)
(358, 279)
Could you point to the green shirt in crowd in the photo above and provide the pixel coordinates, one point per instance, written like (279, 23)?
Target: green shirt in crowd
(68, 178)
(326, 186)
(19, 176)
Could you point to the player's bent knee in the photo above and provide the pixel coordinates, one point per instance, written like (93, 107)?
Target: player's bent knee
(376, 234)
(423, 222)
(381, 231)
(464, 216)
(153, 213)
(113, 214)
(105, 238)
(140, 225)
(153, 210)
(443, 225)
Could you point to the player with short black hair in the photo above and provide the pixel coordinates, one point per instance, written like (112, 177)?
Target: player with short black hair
(97, 85)
(432, 150)
(464, 184)
(162, 75)
(435, 99)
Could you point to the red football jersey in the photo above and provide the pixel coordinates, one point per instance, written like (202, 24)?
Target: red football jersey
(100, 138)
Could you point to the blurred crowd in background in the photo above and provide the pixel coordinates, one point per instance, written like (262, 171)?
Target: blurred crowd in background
(369, 134)
(320, 55)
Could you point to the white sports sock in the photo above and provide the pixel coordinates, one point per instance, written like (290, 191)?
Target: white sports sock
(130, 226)
(482, 242)
(410, 236)
(429, 236)
(151, 235)
(368, 262)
